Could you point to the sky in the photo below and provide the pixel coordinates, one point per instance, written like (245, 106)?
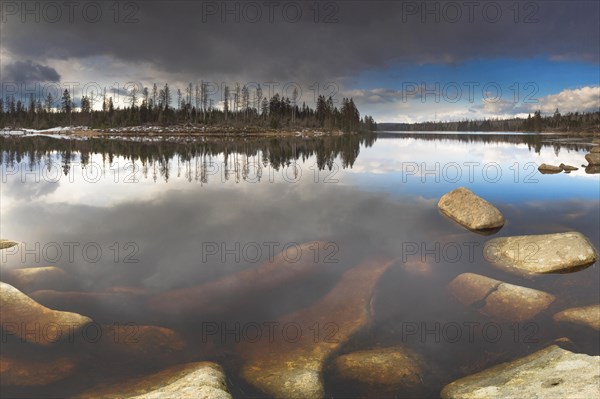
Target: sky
(401, 61)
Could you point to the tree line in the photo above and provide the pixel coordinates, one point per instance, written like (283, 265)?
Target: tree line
(557, 122)
(239, 107)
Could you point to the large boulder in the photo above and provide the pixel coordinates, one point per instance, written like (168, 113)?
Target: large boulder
(537, 254)
(25, 318)
(291, 365)
(549, 169)
(595, 150)
(587, 316)
(549, 373)
(593, 158)
(187, 381)
(380, 370)
(470, 210)
(499, 300)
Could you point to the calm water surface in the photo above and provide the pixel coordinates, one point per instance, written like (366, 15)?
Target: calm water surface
(167, 215)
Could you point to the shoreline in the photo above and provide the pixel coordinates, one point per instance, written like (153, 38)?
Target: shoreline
(183, 131)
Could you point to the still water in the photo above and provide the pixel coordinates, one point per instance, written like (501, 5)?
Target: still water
(134, 221)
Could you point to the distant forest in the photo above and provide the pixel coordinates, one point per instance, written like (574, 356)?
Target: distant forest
(241, 107)
(569, 122)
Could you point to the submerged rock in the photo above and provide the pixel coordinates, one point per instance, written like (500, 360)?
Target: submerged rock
(187, 381)
(545, 253)
(107, 306)
(19, 372)
(499, 300)
(4, 244)
(133, 343)
(291, 365)
(25, 318)
(587, 316)
(380, 370)
(35, 278)
(470, 210)
(567, 168)
(228, 292)
(549, 169)
(549, 373)
(593, 158)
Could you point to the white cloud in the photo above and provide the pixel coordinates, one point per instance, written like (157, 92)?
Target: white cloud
(584, 99)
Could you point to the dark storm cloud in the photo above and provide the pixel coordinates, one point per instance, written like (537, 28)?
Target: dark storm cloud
(29, 71)
(194, 39)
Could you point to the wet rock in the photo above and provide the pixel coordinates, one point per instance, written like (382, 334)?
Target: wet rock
(499, 300)
(187, 381)
(587, 316)
(228, 292)
(470, 288)
(381, 370)
(291, 366)
(469, 210)
(595, 150)
(21, 315)
(567, 168)
(18, 372)
(549, 373)
(4, 244)
(549, 169)
(36, 278)
(593, 158)
(545, 253)
(513, 302)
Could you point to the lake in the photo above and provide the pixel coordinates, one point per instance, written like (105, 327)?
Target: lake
(137, 224)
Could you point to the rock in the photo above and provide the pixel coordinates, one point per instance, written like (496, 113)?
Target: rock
(16, 372)
(587, 316)
(4, 244)
(567, 168)
(35, 278)
(545, 253)
(187, 381)
(121, 289)
(382, 370)
(499, 300)
(593, 158)
(595, 149)
(549, 169)
(419, 267)
(469, 210)
(292, 367)
(101, 306)
(549, 373)
(21, 315)
(228, 292)
(592, 169)
(142, 342)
